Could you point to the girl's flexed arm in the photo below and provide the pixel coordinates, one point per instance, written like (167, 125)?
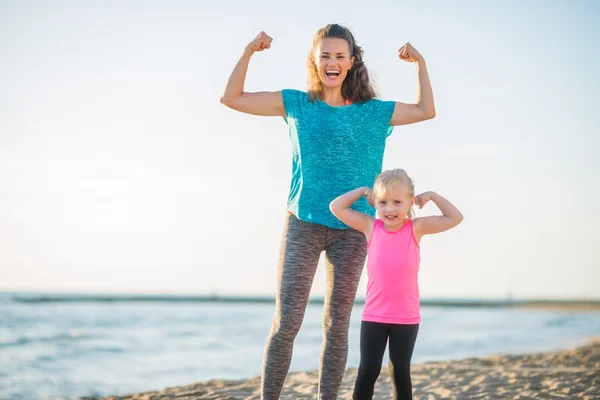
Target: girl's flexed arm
(340, 207)
(424, 107)
(260, 103)
(438, 223)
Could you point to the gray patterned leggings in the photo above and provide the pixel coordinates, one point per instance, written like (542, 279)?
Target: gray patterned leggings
(301, 246)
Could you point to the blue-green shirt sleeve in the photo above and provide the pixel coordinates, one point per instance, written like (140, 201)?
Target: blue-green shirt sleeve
(291, 102)
(381, 114)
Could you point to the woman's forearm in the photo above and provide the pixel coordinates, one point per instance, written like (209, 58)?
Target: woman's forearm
(424, 91)
(235, 84)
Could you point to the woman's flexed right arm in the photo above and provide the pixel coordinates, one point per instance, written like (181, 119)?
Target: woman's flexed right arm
(259, 103)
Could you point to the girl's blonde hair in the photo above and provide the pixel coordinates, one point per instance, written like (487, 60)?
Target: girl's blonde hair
(356, 87)
(393, 178)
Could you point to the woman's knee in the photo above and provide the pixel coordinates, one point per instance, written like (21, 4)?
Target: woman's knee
(337, 312)
(286, 327)
(337, 324)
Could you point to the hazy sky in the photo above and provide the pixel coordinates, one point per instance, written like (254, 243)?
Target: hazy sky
(120, 171)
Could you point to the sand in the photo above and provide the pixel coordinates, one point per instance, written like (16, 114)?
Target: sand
(570, 374)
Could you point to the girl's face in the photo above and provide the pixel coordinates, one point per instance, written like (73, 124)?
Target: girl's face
(333, 61)
(393, 205)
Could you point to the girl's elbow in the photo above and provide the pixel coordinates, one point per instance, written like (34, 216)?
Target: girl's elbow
(336, 210)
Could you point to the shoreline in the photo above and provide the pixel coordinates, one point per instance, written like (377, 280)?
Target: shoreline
(540, 303)
(565, 374)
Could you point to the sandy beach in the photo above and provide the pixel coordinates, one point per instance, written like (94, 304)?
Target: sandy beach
(570, 374)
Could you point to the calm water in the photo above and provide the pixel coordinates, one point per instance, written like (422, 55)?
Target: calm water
(70, 349)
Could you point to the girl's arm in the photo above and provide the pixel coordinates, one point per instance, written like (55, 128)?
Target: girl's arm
(261, 103)
(340, 207)
(438, 223)
(424, 108)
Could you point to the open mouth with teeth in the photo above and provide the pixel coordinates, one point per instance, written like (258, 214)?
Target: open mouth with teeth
(332, 74)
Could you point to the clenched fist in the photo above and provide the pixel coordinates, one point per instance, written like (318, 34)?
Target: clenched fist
(260, 43)
(409, 53)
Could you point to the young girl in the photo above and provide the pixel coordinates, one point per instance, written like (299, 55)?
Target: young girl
(391, 310)
(336, 122)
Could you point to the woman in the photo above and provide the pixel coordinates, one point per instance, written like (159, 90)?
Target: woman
(338, 131)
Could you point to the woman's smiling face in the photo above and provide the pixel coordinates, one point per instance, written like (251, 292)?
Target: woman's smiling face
(333, 61)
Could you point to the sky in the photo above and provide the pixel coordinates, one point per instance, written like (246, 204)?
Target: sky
(121, 172)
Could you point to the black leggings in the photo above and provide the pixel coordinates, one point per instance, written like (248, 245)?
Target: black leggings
(373, 339)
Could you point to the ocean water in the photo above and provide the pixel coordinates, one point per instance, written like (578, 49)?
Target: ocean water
(90, 348)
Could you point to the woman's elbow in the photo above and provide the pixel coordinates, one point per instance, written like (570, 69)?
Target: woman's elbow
(459, 218)
(226, 101)
(429, 114)
(424, 114)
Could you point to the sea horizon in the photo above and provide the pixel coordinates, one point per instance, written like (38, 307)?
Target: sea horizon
(25, 296)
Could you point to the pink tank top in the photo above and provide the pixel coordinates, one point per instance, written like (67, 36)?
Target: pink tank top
(393, 268)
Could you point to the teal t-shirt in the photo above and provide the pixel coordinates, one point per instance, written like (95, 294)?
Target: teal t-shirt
(334, 150)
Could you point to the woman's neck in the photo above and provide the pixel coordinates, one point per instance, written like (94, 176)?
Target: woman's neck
(333, 97)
